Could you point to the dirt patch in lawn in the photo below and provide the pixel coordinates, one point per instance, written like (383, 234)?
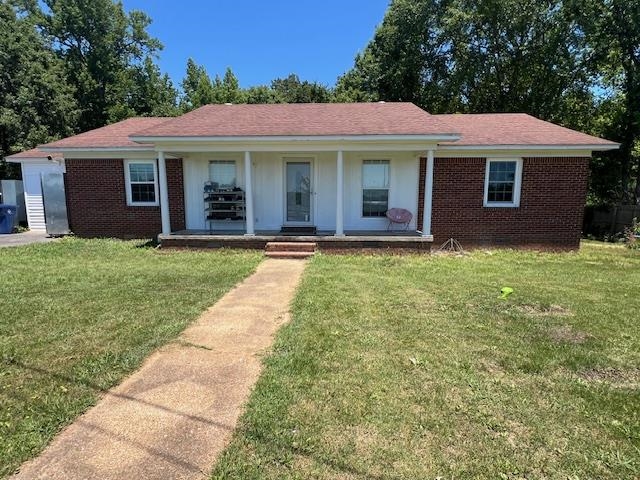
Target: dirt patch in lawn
(616, 377)
(545, 311)
(568, 334)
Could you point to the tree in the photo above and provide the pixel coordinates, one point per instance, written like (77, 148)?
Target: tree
(102, 47)
(197, 87)
(612, 30)
(292, 90)
(261, 94)
(36, 103)
(152, 93)
(228, 89)
(474, 56)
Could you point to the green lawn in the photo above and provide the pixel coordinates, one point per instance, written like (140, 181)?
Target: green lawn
(411, 367)
(76, 316)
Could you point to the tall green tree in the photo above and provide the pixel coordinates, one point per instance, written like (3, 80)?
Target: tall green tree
(36, 103)
(474, 56)
(102, 47)
(612, 32)
(292, 90)
(152, 93)
(196, 86)
(261, 94)
(227, 89)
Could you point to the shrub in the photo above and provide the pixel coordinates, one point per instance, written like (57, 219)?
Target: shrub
(632, 235)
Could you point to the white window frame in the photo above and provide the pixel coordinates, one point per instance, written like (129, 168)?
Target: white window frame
(362, 188)
(127, 178)
(516, 185)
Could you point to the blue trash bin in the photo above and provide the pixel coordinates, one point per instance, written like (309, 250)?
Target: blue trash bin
(7, 217)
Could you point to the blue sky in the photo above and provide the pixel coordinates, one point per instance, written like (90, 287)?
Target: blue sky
(262, 40)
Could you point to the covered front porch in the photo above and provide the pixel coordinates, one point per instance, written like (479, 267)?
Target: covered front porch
(336, 197)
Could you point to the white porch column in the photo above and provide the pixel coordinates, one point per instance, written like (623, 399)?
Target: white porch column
(248, 188)
(339, 195)
(428, 196)
(164, 194)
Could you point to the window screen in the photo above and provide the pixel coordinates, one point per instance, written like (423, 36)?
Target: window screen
(502, 182)
(223, 174)
(375, 188)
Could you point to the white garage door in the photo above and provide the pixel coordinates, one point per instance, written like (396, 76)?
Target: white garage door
(31, 179)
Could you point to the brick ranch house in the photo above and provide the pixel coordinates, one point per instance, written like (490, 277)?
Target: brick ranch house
(248, 173)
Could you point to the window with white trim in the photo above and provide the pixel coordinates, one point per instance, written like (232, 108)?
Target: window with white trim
(502, 183)
(141, 182)
(375, 188)
(223, 174)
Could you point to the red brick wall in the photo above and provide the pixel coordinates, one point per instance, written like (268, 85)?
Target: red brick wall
(97, 203)
(551, 203)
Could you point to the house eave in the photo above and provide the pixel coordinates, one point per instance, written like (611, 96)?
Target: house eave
(268, 139)
(140, 148)
(568, 147)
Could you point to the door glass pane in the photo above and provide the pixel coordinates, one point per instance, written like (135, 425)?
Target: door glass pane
(298, 192)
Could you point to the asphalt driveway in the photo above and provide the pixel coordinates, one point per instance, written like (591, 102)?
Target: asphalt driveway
(25, 238)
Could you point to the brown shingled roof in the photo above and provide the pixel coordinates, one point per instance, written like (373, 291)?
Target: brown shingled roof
(328, 119)
(488, 129)
(114, 135)
(304, 119)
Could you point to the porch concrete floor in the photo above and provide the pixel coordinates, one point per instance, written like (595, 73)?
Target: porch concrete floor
(319, 236)
(360, 240)
(174, 416)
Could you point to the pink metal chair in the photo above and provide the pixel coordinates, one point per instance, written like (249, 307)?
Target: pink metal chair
(400, 216)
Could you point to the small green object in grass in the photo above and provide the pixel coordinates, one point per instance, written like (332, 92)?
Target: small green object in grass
(506, 291)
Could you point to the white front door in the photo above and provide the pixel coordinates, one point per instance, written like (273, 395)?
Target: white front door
(298, 184)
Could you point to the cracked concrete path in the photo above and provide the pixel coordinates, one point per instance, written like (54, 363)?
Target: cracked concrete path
(174, 416)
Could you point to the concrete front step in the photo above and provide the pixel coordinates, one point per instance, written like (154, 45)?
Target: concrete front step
(291, 247)
(289, 254)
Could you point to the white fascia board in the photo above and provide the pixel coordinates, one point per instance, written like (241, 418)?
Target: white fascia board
(297, 148)
(136, 148)
(585, 147)
(510, 153)
(89, 154)
(445, 137)
(27, 160)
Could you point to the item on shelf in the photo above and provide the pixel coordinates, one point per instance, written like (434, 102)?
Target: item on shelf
(223, 204)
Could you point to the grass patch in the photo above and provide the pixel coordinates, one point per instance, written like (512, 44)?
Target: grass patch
(76, 316)
(404, 367)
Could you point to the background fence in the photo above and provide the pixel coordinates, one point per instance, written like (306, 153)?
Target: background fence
(609, 221)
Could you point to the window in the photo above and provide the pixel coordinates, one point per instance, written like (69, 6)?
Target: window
(142, 182)
(223, 174)
(502, 183)
(375, 188)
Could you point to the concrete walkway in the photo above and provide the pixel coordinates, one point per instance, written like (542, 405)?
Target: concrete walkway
(173, 417)
(24, 238)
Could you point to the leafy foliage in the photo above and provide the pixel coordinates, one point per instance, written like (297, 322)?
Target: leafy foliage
(36, 104)
(104, 50)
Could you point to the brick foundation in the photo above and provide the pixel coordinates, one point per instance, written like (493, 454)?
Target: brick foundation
(97, 204)
(551, 204)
